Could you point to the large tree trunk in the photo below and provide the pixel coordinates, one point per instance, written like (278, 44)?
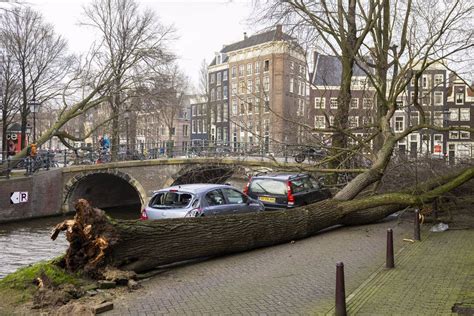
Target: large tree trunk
(96, 241)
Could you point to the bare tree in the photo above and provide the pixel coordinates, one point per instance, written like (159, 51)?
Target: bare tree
(39, 55)
(10, 93)
(129, 38)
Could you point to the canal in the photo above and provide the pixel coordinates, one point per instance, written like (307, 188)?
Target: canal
(26, 242)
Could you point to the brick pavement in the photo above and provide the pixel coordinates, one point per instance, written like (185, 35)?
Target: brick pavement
(429, 278)
(290, 279)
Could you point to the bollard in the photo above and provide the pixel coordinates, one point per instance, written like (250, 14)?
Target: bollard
(340, 290)
(390, 263)
(65, 158)
(417, 225)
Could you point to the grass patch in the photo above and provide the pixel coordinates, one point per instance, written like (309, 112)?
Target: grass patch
(19, 287)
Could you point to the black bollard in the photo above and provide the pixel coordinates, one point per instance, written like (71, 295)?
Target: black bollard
(417, 225)
(390, 259)
(340, 290)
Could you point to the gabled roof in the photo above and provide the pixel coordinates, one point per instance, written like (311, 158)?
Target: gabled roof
(213, 62)
(257, 39)
(329, 70)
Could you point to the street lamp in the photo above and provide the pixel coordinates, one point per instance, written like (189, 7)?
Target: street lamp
(126, 116)
(34, 107)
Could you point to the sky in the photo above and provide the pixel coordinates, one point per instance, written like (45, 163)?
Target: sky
(203, 27)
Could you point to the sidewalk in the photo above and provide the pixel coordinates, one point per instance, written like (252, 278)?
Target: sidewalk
(429, 278)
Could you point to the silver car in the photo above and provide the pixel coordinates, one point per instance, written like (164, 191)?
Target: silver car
(194, 200)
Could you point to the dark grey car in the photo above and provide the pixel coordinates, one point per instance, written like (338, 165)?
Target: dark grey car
(193, 200)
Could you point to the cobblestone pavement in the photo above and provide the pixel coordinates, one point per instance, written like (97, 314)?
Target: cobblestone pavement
(290, 279)
(429, 278)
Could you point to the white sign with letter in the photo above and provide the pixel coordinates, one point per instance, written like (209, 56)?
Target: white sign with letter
(18, 197)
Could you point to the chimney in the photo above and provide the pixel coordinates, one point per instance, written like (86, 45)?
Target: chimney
(279, 32)
(245, 35)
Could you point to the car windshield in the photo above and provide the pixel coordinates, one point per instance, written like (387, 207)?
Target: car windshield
(168, 200)
(268, 186)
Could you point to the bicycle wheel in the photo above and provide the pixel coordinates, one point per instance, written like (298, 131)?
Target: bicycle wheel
(299, 158)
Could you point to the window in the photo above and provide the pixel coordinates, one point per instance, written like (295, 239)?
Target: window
(185, 130)
(292, 85)
(399, 123)
(333, 103)
(213, 78)
(225, 132)
(425, 81)
(234, 88)
(249, 105)
(266, 66)
(194, 125)
(213, 94)
(300, 111)
(257, 84)
(367, 103)
(234, 71)
(454, 114)
(249, 69)
(193, 110)
(257, 67)
(219, 93)
(465, 114)
(459, 98)
(438, 118)
(214, 198)
(331, 120)
(219, 113)
(234, 107)
(319, 121)
(266, 83)
(319, 103)
(464, 134)
(267, 104)
(242, 108)
(414, 118)
(242, 87)
(224, 76)
(225, 113)
(199, 127)
(292, 66)
(366, 120)
(249, 85)
(302, 88)
(241, 70)
(224, 94)
(438, 80)
(354, 103)
(199, 109)
(353, 121)
(219, 133)
(454, 134)
(438, 98)
(219, 78)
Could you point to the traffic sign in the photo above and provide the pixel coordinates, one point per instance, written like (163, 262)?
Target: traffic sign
(18, 197)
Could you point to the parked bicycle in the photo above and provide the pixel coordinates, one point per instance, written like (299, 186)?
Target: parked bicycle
(310, 153)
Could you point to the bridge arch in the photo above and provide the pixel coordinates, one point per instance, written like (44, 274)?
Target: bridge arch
(103, 189)
(208, 173)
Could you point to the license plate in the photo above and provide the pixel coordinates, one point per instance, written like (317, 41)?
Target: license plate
(266, 199)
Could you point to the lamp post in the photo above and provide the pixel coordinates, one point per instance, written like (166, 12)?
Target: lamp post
(34, 106)
(126, 116)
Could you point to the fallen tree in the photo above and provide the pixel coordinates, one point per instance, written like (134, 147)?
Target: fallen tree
(97, 241)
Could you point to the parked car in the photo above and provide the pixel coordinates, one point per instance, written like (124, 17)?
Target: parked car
(278, 191)
(194, 200)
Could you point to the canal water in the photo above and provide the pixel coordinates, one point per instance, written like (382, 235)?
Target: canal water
(27, 242)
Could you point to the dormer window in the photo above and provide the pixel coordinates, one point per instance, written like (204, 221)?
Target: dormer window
(459, 97)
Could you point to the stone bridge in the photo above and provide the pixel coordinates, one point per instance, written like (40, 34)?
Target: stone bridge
(131, 183)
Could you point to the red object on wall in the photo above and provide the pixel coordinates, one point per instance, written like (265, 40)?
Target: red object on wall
(437, 148)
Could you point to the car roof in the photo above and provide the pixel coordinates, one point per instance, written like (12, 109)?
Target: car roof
(280, 176)
(195, 187)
